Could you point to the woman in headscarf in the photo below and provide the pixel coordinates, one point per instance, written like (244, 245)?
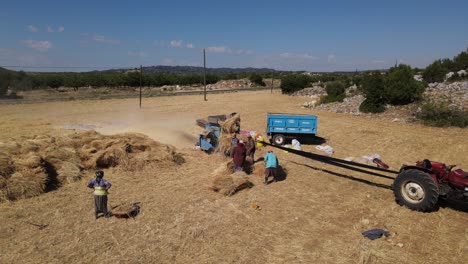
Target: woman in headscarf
(238, 156)
(100, 186)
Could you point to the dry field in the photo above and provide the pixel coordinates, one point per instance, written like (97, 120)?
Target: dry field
(315, 215)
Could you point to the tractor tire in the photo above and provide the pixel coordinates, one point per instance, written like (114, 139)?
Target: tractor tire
(279, 139)
(416, 190)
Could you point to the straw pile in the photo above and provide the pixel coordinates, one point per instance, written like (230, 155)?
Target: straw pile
(229, 185)
(32, 166)
(231, 125)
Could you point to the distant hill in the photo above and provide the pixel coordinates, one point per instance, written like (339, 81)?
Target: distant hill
(193, 70)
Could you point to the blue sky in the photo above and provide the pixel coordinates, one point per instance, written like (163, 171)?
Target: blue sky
(284, 35)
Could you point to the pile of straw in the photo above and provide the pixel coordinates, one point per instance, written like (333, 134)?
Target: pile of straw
(229, 185)
(32, 166)
(231, 125)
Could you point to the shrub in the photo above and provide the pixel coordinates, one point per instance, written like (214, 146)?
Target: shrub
(439, 114)
(294, 82)
(461, 61)
(373, 89)
(369, 106)
(435, 72)
(400, 88)
(335, 93)
(257, 79)
(54, 80)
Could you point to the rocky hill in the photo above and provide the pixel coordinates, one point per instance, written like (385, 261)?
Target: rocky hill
(455, 94)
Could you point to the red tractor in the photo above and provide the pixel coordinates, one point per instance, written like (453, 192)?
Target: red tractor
(419, 187)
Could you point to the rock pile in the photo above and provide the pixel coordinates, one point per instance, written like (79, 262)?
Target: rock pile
(231, 84)
(456, 93)
(314, 93)
(350, 105)
(311, 92)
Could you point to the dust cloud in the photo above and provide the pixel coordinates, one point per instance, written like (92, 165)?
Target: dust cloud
(177, 129)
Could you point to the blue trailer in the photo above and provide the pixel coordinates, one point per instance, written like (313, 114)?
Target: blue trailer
(283, 127)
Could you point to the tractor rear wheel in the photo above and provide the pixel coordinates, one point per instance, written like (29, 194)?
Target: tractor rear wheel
(278, 139)
(416, 190)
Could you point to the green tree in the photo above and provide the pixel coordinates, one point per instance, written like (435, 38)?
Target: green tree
(257, 79)
(461, 61)
(54, 80)
(294, 82)
(373, 89)
(400, 86)
(435, 72)
(335, 92)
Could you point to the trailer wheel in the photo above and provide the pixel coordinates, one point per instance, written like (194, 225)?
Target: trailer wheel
(416, 190)
(278, 139)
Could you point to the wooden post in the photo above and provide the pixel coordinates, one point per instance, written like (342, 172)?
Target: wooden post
(204, 73)
(272, 83)
(141, 78)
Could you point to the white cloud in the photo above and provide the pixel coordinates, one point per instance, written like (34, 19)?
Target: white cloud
(139, 54)
(168, 61)
(32, 28)
(244, 52)
(38, 45)
(331, 58)
(190, 46)
(218, 49)
(102, 39)
(303, 56)
(50, 29)
(176, 43)
(61, 29)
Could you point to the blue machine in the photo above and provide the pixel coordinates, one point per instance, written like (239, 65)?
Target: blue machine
(281, 127)
(208, 140)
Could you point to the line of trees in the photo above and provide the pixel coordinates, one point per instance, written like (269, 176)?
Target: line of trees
(21, 81)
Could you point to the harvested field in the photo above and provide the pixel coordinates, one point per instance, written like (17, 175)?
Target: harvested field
(315, 215)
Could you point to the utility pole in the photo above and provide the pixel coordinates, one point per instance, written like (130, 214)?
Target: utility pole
(204, 73)
(272, 82)
(141, 78)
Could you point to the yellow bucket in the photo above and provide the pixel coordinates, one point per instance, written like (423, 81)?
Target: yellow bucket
(260, 142)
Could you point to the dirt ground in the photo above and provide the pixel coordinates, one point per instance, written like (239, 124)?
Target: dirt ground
(315, 215)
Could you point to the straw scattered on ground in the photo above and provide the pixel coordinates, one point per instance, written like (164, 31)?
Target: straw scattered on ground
(40, 164)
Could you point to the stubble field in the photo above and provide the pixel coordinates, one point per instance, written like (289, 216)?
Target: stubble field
(315, 215)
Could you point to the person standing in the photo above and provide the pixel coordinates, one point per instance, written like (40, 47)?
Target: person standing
(271, 166)
(100, 186)
(250, 146)
(238, 156)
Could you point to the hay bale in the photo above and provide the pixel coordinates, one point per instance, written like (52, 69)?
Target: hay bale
(111, 157)
(56, 154)
(68, 173)
(229, 185)
(7, 166)
(26, 184)
(30, 160)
